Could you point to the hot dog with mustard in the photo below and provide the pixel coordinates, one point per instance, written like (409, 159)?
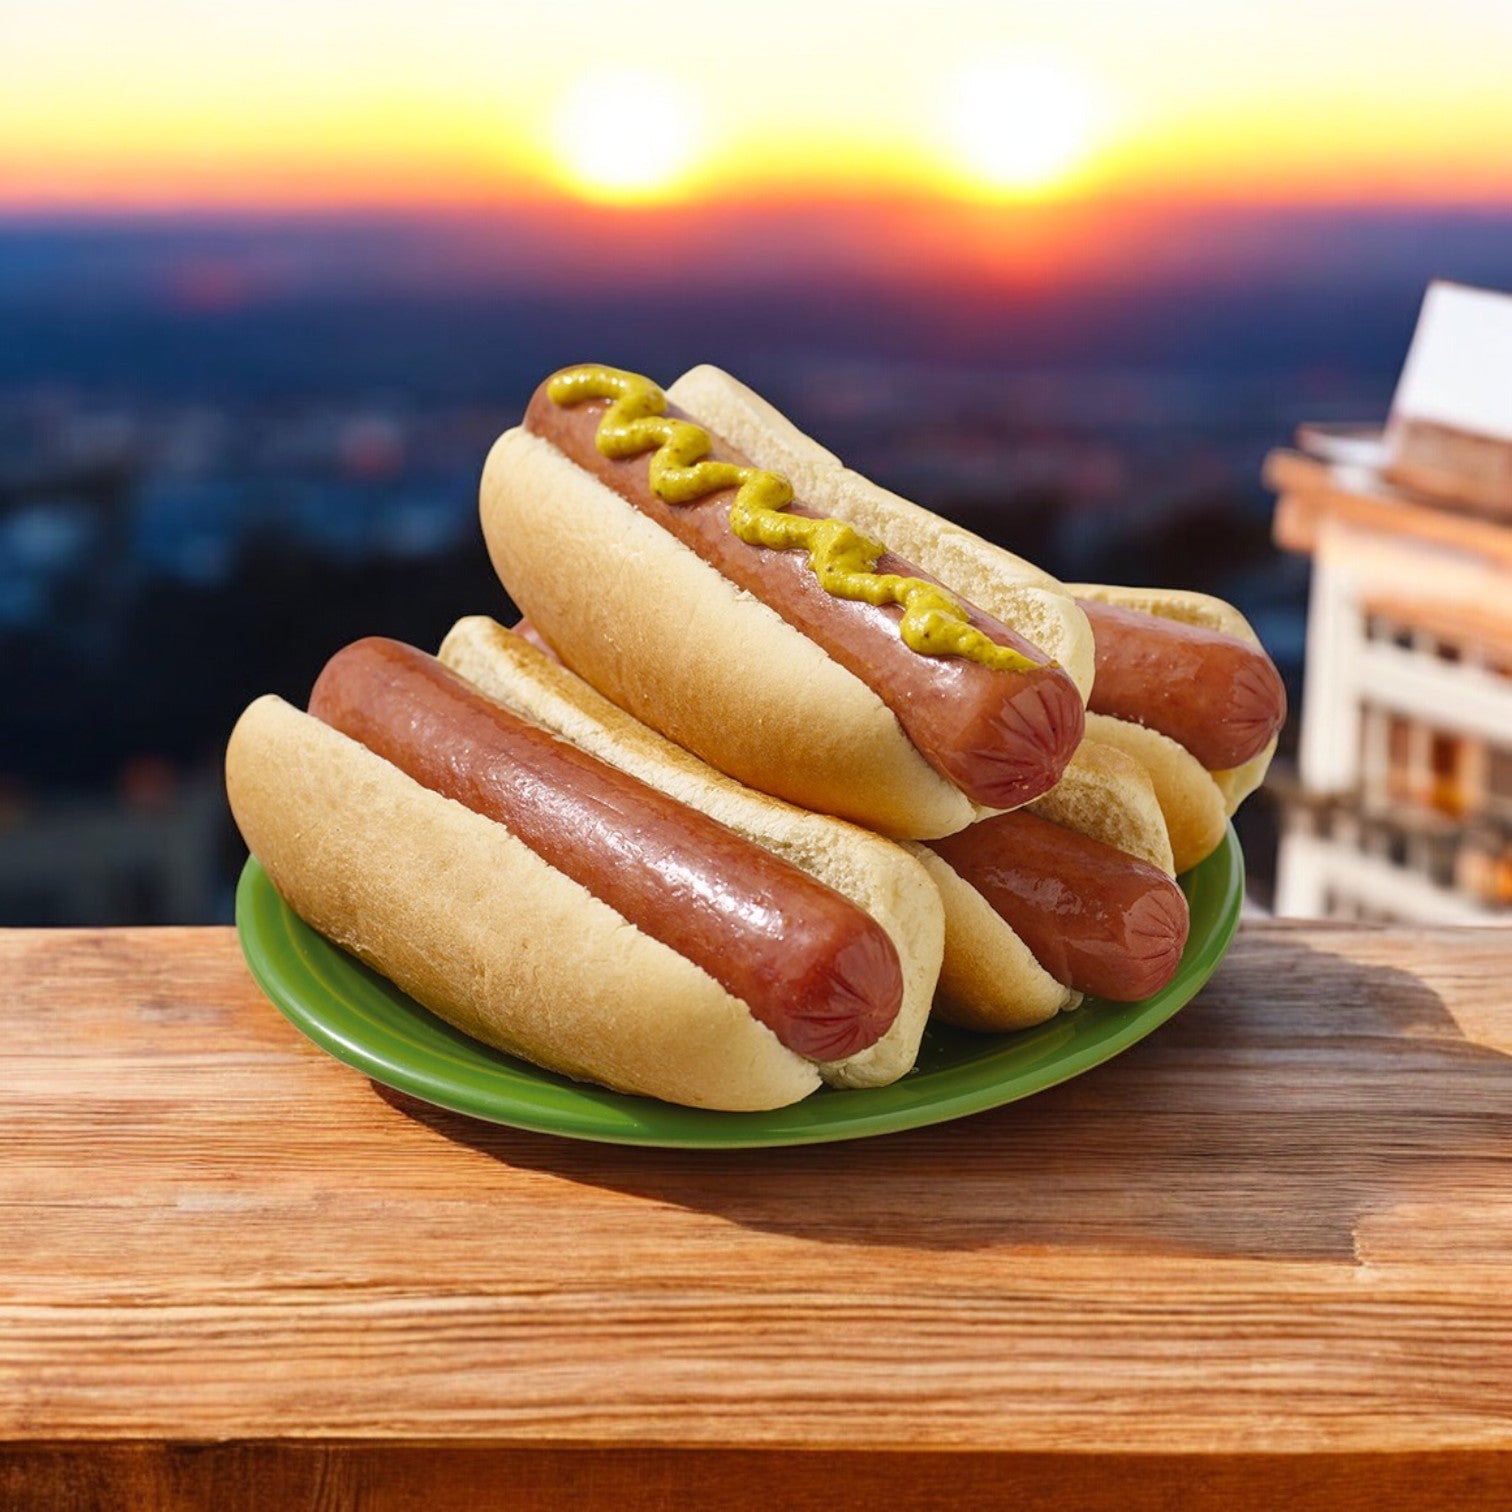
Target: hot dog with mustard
(787, 620)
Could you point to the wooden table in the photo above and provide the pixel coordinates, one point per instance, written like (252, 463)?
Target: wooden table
(1262, 1260)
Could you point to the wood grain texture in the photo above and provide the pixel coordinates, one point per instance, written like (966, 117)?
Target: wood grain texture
(1281, 1228)
(388, 1478)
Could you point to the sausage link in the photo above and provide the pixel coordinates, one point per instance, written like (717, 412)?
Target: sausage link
(1002, 737)
(1097, 919)
(1215, 694)
(810, 965)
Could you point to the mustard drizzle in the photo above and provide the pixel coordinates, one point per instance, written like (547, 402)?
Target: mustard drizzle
(843, 560)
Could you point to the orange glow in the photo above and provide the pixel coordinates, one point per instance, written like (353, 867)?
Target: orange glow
(420, 175)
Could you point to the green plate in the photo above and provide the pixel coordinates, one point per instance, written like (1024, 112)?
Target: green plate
(367, 1022)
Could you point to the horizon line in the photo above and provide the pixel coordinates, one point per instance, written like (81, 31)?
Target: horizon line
(795, 201)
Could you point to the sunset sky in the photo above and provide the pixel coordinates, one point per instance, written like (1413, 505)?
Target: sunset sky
(194, 103)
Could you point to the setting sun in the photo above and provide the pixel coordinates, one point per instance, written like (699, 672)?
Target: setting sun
(624, 134)
(1019, 126)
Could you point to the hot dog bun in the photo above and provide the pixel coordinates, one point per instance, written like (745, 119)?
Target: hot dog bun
(990, 979)
(474, 924)
(1197, 803)
(1015, 590)
(664, 634)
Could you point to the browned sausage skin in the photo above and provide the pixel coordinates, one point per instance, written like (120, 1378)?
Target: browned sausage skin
(1098, 920)
(1215, 694)
(1002, 737)
(810, 965)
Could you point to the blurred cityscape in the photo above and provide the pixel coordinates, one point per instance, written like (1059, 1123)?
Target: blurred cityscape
(205, 492)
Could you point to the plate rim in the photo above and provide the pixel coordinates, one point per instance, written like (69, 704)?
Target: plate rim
(585, 1118)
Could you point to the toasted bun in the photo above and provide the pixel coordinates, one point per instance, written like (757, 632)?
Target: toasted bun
(1108, 795)
(1012, 590)
(1237, 783)
(990, 980)
(472, 923)
(786, 717)
(1181, 782)
(1194, 810)
(731, 681)
(874, 874)
(1200, 609)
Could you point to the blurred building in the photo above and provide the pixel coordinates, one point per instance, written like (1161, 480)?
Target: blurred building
(1402, 803)
(162, 563)
(150, 853)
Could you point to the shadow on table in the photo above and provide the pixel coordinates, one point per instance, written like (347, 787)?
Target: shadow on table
(1302, 1090)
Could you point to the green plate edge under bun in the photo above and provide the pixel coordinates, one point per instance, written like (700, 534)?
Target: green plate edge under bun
(366, 1021)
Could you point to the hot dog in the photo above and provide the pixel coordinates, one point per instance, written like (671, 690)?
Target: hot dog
(1001, 735)
(532, 865)
(1215, 694)
(819, 973)
(913, 716)
(1184, 687)
(1072, 896)
(1098, 919)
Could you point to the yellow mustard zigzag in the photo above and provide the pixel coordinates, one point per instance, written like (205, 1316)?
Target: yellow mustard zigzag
(843, 560)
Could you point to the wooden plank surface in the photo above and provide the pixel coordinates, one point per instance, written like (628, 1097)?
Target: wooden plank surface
(1281, 1227)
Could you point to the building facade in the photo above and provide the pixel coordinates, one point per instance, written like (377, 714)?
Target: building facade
(1401, 807)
